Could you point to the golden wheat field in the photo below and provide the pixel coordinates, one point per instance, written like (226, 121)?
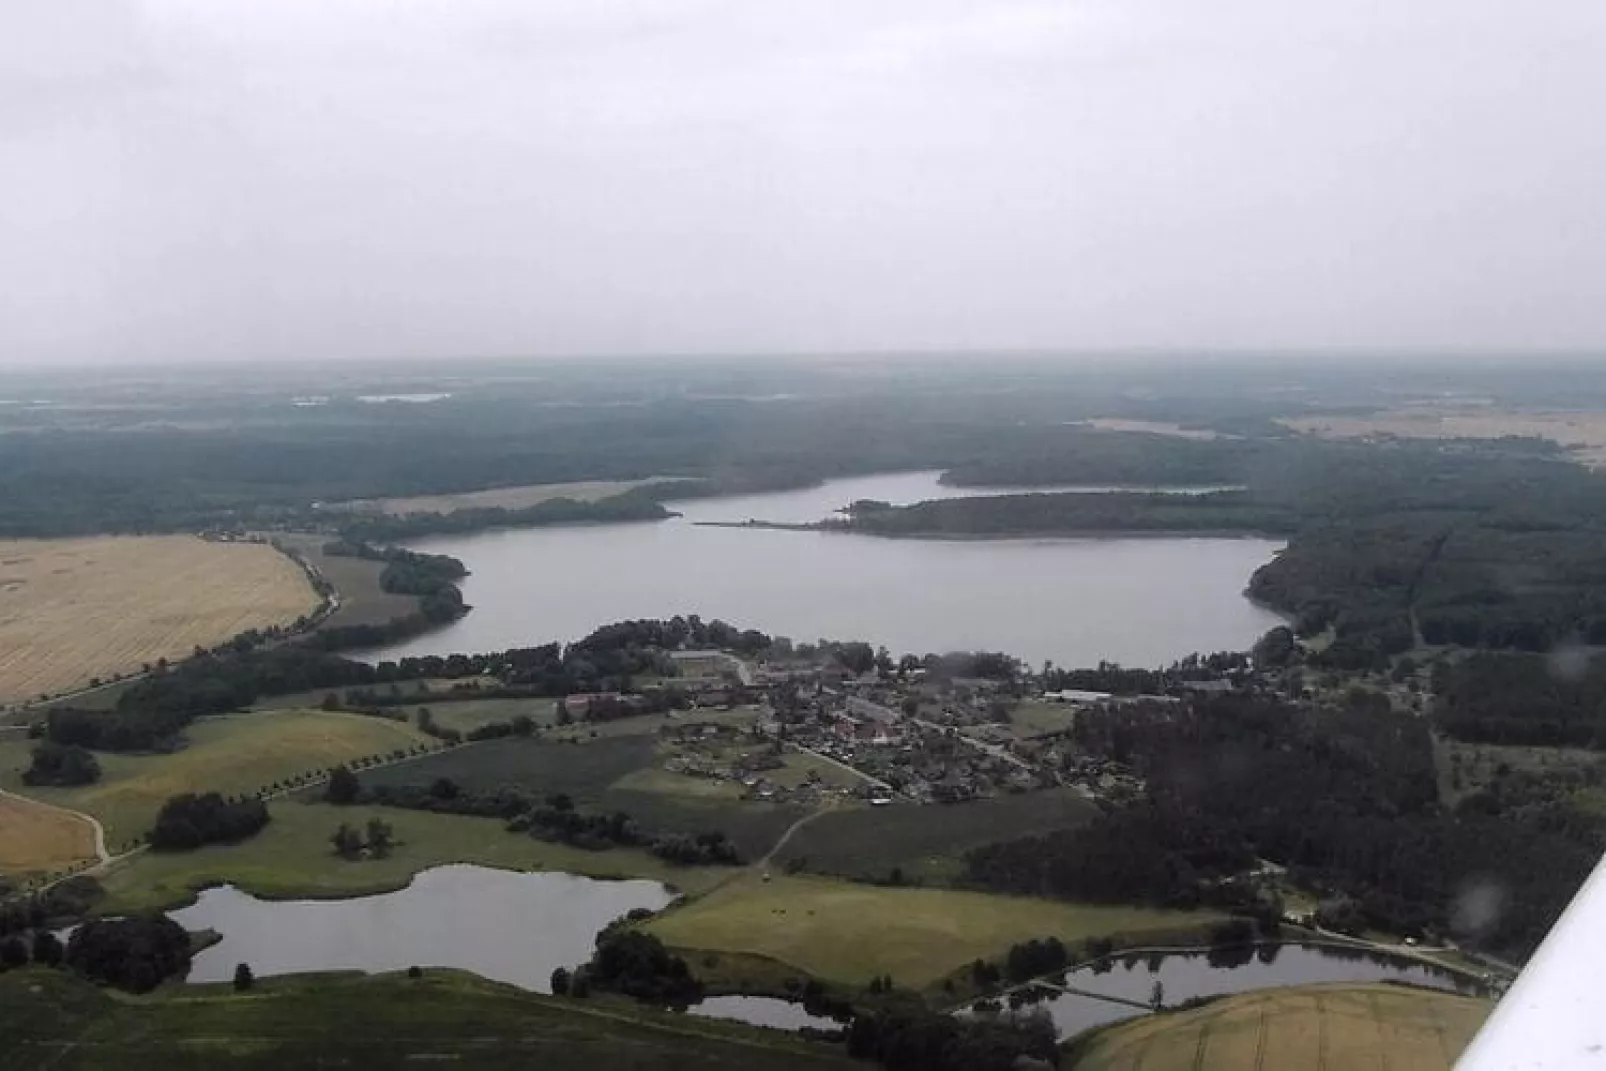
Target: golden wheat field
(35, 838)
(75, 609)
(1330, 1027)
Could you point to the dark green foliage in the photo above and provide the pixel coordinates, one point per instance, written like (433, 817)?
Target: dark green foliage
(618, 508)
(911, 1038)
(61, 765)
(243, 978)
(188, 821)
(1032, 959)
(48, 950)
(560, 982)
(13, 954)
(638, 965)
(343, 787)
(136, 954)
(1345, 798)
(1224, 511)
(1523, 699)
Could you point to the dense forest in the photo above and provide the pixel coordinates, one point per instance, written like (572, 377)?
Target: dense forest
(1492, 698)
(1346, 799)
(1489, 544)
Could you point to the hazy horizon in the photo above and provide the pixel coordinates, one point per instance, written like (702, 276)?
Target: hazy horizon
(315, 180)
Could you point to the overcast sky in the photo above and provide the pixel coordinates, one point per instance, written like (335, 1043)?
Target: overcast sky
(257, 179)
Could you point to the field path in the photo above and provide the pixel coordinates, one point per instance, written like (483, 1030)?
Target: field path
(763, 864)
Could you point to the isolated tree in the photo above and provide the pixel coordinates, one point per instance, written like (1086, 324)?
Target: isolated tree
(243, 978)
(343, 786)
(1157, 996)
(380, 837)
(560, 982)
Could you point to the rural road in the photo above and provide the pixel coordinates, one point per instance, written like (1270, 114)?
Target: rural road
(763, 864)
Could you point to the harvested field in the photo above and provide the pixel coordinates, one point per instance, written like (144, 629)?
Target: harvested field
(1583, 433)
(75, 609)
(232, 755)
(1154, 427)
(503, 497)
(1339, 1028)
(926, 843)
(35, 839)
(847, 932)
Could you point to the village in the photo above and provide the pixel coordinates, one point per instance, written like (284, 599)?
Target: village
(797, 731)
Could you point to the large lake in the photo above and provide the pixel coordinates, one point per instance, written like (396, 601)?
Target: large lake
(1140, 601)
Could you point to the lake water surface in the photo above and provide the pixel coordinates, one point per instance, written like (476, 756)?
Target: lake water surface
(1140, 601)
(506, 926)
(1189, 975)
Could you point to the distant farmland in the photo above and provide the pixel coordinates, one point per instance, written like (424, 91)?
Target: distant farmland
(76, 609)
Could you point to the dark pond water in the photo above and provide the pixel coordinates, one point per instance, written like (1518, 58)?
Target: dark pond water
(1188, 975)
(506, 926)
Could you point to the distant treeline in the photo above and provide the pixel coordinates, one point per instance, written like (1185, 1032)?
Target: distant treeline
(1498, 545)
(1523, 699)
(628, 506)
(1116, 511)
(1346, 799)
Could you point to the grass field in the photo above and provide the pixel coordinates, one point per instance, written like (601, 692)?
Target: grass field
(1035, 718)
(611, 773)
(76, 609)
(583, 771)
(362, 600)
(926, 843)
(232, 755)
(1337, 1028)
(291, 858)
(849, 933)
(50, 1019)
(35, 839)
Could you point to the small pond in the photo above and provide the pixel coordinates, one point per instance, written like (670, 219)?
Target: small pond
(763, 1011)
(502, 925)
(1187, 975)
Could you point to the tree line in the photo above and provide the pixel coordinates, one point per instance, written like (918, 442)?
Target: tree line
(1346, 799)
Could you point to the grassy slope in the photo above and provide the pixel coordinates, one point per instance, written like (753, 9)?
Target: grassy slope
(850, 933)
(49, 1019)
(292, 858)
(1339, 1028)
(232, 755)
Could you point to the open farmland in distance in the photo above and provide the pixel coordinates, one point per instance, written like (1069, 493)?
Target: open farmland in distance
(233, 755)
(36, 839)
(522, 497)
(76, 609)
(1338, 1028)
